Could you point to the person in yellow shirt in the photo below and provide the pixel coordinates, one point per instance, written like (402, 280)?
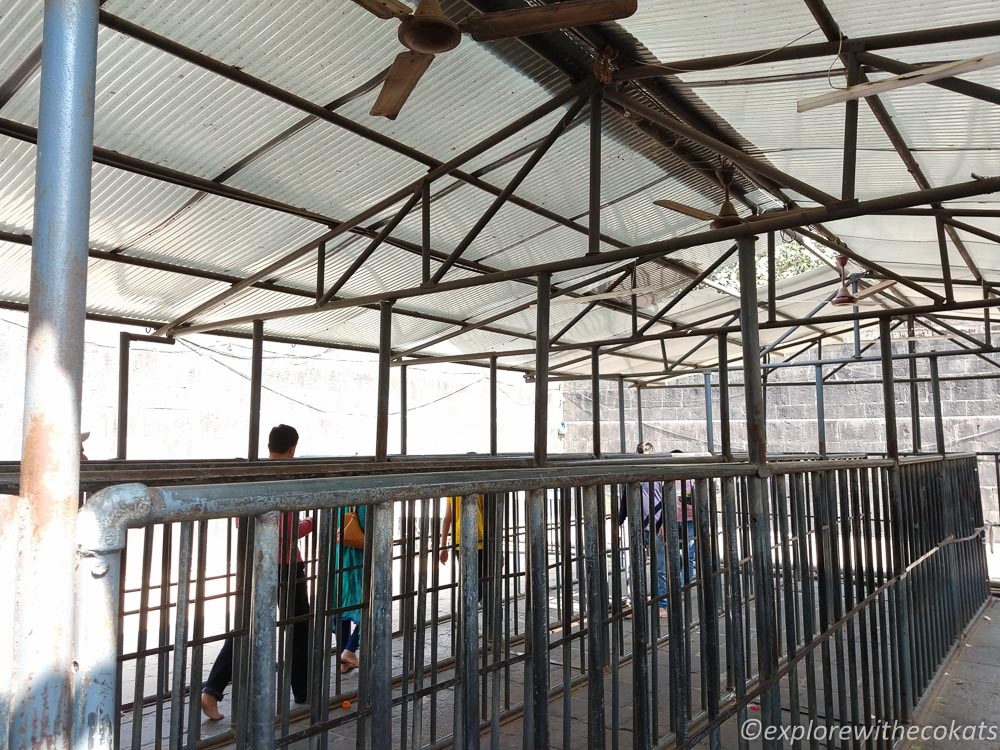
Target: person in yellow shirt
(453, 516)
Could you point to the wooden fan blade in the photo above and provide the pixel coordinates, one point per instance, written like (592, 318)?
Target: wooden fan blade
(868, 291)
(694, 213)
(524, 21)
(400, 82)
(385, 8)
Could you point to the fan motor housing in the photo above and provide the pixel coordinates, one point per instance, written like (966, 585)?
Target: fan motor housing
(430, 35)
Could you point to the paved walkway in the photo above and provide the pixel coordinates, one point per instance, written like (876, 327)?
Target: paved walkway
(967, 692)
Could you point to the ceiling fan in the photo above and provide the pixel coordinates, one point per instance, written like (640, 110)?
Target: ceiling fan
(426, 32)
(844, 296)
(727, 216)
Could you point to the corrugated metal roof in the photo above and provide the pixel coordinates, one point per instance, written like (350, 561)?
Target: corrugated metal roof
(153, 106)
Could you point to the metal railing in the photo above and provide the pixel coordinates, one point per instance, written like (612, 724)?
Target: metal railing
(834, 601)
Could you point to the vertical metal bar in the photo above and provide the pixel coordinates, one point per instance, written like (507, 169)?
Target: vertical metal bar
(735, 604)
(987, 324)
(379, 676)
(638, 408)
(641, 735)
(850, 130)
(542, 369)
(724, 426)
(124, 341)
(709, 422)
(402, 410)
(772, 279)
(902, 640)
(41, 681)
(493, 407)
(594, 212)
(621, 413)
(256, 368)
(936, 400)
(263, 686)
(425, 231)
(911, 347)
(467, 711)
(384, 354)
(633, 301)
(592, 518)
(9, 528)
(709, 609)
(767, 652)
(320, 271)
(820, 404)
(537, 674)
(595, 397)
(319, 678)
(95, 667)
(179, 666)
(949, 290)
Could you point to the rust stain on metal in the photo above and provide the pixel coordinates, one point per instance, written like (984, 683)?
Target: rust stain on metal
(37, 462)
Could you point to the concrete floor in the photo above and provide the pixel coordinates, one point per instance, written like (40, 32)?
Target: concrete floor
(967, 692)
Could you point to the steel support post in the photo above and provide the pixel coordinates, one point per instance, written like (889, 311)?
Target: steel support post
(936, 401)
(911, 347)
(772, 280)
(542, 369)
(767, 651)
(320, 271)
(594, 214)
(902, 639)
(595, 398)
(41, 681)
(820, 404)
(987, 325)
(466, 693)
(425, 231)
(493, 406)
(536, 683)
(621, 413)
(256, 376)
(709, 421)
(402, 410)
(263, 634)
(592, 551)
(124, 342)
(850, 130)
(384, 356)
(377, 729)
(638, 408)
(724, 426)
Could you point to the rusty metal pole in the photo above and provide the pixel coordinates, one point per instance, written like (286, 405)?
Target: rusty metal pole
(402, 411)
(124, 344)
(595, 398)
(493, 406)
(50, 459)
(384, 355)
(767, 651)
(256, 375)
(542, 369)
(911, 347)
(621, 412)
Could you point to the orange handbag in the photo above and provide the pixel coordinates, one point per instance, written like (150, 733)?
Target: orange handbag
(353, 535)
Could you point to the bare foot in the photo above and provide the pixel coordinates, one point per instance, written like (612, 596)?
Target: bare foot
(348, 661)
(210, 707)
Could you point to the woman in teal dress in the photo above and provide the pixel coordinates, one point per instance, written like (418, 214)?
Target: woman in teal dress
(350, 562)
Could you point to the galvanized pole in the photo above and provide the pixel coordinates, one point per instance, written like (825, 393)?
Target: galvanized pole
(320, 271)
(902, 639)
(767, 651)
(911, 347)
(256, 375)
(709, 422)
(124, 342)
(820, 403)
(621, 412)
(542, 369)
(402, 410)
(595, 398)
(263, 682)
(50, 458)
(382, 408)
(936, 400)
(493, 406)
(594, 215)
(592, 519)
(724, 426)
(638, 408)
